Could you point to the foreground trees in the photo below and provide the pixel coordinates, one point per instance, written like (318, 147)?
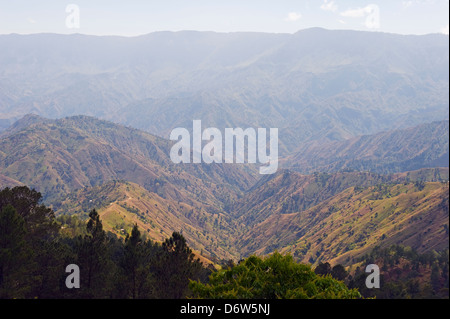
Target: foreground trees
(35, 249)
(27, 252)
(14, 254)
(93, 258)
(274, 277)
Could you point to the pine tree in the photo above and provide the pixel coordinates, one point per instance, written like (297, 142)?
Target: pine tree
(93, 259)
(338, 272)
(15, 255)
(39, 220)
(136, 278)
(177, 266)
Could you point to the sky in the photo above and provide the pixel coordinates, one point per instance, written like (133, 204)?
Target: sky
(134, 17)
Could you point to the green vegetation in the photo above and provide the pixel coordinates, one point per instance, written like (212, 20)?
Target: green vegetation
(80, 163)
(122, 204)
(119, 198)
(404, 273)
(36, 248)
(273, 277)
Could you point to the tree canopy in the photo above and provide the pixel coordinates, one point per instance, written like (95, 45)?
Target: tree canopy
(273, 277)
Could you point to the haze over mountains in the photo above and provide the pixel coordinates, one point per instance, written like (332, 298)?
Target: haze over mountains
(363, 129)
(425, 145)
(313, 85)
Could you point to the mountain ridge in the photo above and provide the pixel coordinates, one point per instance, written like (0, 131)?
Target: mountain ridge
(385, 152)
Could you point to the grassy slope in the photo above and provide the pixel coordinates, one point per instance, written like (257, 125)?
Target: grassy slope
(291, 192)
(122, 204)
(354, 221)
(6, 181)
(81, 156)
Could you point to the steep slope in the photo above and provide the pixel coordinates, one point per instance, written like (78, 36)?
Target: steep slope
(353, 222)
(426, 145)
(122, 204)
(291, 192)
(288, 192)
(59, 156)
(80, 163)
(8, 182)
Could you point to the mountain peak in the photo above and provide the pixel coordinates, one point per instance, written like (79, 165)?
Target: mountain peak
(26, 121)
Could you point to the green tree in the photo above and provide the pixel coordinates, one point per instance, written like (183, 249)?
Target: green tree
(323, 269)
(338, 272)
(94, 259)
(39, 220)
(135, 278)
(435, 277)
(52, 260)
(177, 265)
(45, 262)
(273, 277)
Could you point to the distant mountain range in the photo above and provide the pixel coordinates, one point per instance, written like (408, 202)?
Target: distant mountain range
(229, 211)
(314, 85)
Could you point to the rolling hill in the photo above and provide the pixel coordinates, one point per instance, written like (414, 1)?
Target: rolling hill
(8, 182)
(290, 192)
(363, 141)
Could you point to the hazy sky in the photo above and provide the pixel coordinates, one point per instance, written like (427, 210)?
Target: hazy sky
(133, 17)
